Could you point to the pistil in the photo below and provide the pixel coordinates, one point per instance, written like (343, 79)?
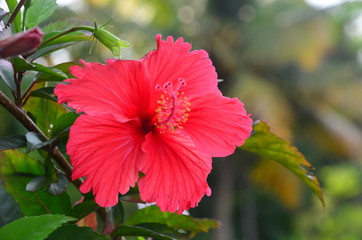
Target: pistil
(174, 107)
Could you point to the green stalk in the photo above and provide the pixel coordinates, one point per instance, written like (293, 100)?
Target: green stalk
(74, 29)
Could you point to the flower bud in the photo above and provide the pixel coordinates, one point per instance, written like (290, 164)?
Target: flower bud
(21, 43)
(110, 40)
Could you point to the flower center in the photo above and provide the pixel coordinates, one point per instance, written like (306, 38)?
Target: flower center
(173, 108)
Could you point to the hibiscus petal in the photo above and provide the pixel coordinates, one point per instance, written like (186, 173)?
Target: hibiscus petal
(118, 87)
(172, 60)
(217, 123)
(108, 153)
(175, 172)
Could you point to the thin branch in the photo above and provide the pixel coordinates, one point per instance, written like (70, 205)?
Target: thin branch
(74, 29)
(28, 123)
(15, 12)
(18, 77)
(26, 95)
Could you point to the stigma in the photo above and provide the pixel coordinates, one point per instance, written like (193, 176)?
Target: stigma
(174, 107)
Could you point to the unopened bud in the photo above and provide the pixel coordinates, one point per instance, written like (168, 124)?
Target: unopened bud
(110, 40)
(21, 43)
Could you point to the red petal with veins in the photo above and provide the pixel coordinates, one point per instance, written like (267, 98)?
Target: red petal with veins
(118, 88)
(175, 172)
(173, 60)
(108, 153)
(217, 124)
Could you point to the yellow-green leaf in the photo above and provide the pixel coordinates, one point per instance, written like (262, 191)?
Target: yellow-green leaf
(270, 146)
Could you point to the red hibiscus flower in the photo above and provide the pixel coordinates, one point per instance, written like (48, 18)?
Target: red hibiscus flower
(162, 116)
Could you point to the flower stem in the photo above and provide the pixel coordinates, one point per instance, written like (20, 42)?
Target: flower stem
(15, 12)
(23, 118)
(25, 96)
(28, 123)
(17, 96)
(74, 29)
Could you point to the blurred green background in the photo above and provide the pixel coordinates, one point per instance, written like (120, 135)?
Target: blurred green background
(295, 66)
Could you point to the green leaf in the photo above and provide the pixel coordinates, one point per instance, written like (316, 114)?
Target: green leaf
(55, 181)
(65, 68)
(68, 232)
(49, 72)
(39, 11)
(11, 4)
(84, 208)
(132, 195)
(44, 113)
(63, 123)
(270, 146)
(7, 74)
(9, 209)
(11, 142)
(59, 186)
(33, 141)
(135, 197)
(27, 4)
(156, 231)
(15, 162)
(58, 73)
(61, 127)
(50, 171)
(153, 214)
(21, 65)
(46, 93)
(33, 228)
(16, 170)
(55, 204)
(33, 138)
(114, 218)
(37, 183)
